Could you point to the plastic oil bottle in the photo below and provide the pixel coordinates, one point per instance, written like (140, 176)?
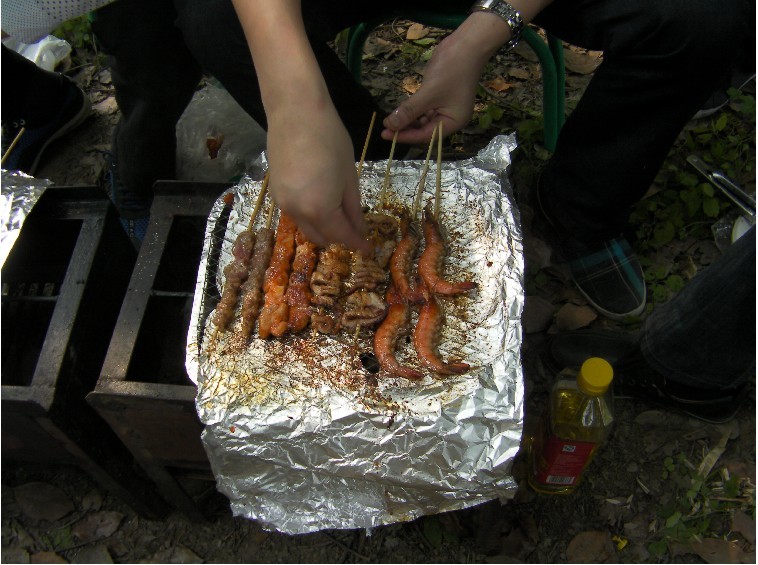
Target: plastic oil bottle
(576, 422)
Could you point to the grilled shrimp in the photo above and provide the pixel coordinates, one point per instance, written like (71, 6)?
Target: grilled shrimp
(425, 338)
(386, 336)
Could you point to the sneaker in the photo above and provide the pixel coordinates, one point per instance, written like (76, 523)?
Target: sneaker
(32, 142)
(609, 275)
(635, 378)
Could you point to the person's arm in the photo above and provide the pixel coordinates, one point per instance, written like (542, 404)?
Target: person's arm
(310, 153)
(450, 79)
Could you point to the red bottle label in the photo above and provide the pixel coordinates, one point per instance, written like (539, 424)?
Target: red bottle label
(559, 462)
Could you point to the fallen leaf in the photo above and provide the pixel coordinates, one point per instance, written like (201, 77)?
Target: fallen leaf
(720, 551)
(572, 317)
(411, 84)
(178, 554)
(520, 73)
(538, 313)
(98, 525)
(93, 500)
(498, 84)
(745, 525)
(416, 31)
(93, 554)
(582, 63)
(43, 501)
(46, 557)
(591, 547)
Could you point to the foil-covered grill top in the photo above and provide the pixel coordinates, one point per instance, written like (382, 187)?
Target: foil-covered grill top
(302, 437)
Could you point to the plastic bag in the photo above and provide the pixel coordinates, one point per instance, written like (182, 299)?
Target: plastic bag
(217, 141)
(46, 53)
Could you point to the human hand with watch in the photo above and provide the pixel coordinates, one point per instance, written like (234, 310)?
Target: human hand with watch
(451, 77)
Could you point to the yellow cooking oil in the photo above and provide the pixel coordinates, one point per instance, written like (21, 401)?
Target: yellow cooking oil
(576, 422)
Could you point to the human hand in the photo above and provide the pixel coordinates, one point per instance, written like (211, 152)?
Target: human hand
(450, 80)
(313, 177)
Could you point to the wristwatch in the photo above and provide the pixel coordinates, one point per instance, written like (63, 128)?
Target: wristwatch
(509, 14)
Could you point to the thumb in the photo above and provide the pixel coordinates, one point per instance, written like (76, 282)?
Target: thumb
(408, 112)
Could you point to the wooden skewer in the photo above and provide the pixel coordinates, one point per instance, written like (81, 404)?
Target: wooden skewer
(259, 202)
(386, 184)
(365, 145)
(270, 216)
(13, 144)
(422, 180)
(438, 191)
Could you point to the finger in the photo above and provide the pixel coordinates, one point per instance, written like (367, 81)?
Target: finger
(336, 228)
(409, 111)
(354, 210)
(421, 134)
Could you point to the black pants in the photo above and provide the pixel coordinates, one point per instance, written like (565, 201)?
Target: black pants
(662, 58)
(30, 93)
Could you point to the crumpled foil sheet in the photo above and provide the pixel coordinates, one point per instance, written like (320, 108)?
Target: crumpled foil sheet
(18, 195)
(301, 438)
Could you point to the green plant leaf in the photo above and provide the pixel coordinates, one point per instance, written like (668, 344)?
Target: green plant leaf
(675, 283)
(711, 207)
(673, 520)
(658, 548)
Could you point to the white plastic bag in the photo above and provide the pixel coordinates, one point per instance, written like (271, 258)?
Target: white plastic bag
(217, 141)
(47, 53)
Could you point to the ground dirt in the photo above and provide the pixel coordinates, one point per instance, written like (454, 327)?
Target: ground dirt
(635, 492)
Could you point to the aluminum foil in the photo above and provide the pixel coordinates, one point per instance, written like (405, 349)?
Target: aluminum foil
(18, 195)
(301, 437)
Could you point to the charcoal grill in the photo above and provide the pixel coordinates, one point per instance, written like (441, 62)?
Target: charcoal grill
(62, 286)
(143, 391)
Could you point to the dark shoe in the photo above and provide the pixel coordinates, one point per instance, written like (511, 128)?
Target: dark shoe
(635, 378)
(609, 275)
(32, 142)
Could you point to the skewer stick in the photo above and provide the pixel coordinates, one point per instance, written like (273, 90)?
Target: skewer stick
(386, 184)
(438, 191)
(365, 145)
(13, 144)
(422, 180)
(270, 216)
(258, 202)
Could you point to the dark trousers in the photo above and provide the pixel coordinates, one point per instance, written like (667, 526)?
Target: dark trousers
(661, 61)
(30, 93)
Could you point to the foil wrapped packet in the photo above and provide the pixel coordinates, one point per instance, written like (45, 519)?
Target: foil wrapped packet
(302, 437)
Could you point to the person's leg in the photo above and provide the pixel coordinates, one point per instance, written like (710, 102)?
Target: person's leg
(705, 336)
(155, 77)
(47, 105)
(29, 92)
(660, 62)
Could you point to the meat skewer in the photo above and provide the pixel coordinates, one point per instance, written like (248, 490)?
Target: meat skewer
(391, 329)
(365, 145)
(433, 256)
(298, 293)
(401, 262)
(252, 290)
(332, 268)
(426, 336)
(236, 272)
(274, 316)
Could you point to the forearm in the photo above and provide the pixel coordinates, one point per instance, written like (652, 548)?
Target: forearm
(483, 33)
(284, 61)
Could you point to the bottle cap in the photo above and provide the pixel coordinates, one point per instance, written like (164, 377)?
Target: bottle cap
(595, 376)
